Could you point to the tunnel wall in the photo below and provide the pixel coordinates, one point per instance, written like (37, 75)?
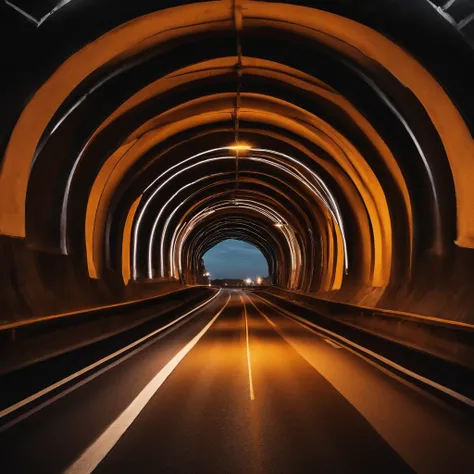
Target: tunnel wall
(440, 286)
(35, 283)
(401, 219)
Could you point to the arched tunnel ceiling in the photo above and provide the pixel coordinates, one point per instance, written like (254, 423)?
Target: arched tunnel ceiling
(335, 144)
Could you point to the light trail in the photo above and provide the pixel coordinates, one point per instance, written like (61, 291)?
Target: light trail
(324, 195)
(148, 201)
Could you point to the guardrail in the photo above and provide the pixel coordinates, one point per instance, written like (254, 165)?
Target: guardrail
(336, 307)
(450, 340)
(447, 374)
(34, 327)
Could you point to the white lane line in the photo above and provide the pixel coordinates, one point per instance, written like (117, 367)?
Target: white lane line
(328, 341)
(88, 379)
(263, 314)
(347, 342)
(97, 451)
(331, 343)
(249, 361)
(83, 371)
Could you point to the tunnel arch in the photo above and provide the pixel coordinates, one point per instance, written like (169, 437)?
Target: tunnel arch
(362, 150)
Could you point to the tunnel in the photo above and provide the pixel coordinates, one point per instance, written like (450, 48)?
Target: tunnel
(338, 144)
(334, 136)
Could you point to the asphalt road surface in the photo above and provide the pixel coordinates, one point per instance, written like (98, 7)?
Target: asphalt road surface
(236, 387)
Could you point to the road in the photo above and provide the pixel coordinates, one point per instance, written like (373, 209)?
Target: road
(236, 387)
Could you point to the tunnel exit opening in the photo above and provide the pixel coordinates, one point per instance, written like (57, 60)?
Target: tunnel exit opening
(235, 262)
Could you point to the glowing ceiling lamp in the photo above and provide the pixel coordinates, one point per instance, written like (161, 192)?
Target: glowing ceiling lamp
(240, 147)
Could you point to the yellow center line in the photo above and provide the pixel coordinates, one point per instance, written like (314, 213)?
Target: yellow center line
(249, 362)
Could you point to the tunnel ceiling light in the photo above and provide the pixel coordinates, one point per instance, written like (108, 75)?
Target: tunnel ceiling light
(240, 147)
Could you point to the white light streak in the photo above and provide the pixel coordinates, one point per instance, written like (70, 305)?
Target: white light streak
(155, 224)
(39, 22)
(149, 200)
(333, 208)
(168, 220)
(324, 195)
